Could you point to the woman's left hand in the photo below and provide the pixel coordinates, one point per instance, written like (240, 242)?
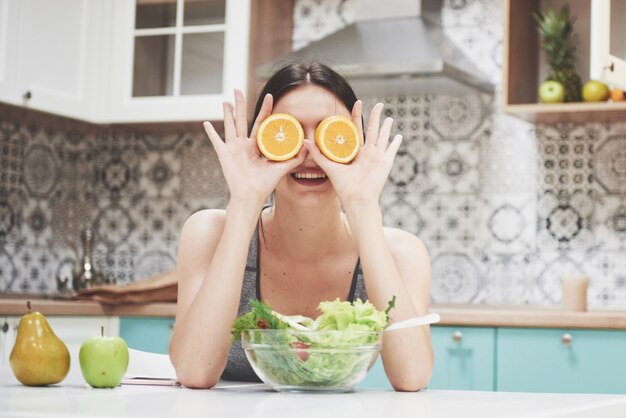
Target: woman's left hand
(362, 180)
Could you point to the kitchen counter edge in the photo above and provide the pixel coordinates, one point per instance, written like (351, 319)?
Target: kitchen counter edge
(451, 315)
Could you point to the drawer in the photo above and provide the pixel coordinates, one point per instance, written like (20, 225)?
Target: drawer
(464, 358)
(560, 360)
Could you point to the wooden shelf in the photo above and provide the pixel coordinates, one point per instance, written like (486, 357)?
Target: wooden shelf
(569, 112)
(524, 68)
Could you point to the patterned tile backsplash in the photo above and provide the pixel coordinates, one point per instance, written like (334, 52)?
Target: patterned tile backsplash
(504, 207)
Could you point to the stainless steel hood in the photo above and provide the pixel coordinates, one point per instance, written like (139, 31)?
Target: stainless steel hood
(410, 55)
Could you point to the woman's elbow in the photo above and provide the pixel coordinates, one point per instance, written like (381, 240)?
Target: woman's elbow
(197, 379)
(194, 377)
(197, 382)
(411, 384)
(412, 381)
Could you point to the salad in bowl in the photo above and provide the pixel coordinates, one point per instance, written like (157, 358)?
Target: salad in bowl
(332, 353)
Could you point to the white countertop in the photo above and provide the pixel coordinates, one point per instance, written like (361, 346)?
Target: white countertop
(74, 398)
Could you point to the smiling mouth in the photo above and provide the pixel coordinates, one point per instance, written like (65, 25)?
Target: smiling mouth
(309, 179)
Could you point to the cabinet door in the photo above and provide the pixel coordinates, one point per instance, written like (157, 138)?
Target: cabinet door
(464, 358)
(59, 56)
(554, 360)
(608, 42)
(7, 338)
(147, 334)
(9, 13)
(177, 60)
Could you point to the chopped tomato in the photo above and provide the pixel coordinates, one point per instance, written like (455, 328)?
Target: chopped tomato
(301, 350)
(261, 323)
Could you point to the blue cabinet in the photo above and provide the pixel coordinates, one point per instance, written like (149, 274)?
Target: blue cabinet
(558, 360)
(147, 334)
(464, 358)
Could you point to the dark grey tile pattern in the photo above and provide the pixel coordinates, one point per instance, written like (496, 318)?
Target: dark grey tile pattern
(135, 190)
(566, 164)
(11, 158)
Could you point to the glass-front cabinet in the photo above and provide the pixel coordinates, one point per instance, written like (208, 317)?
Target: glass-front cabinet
(124, 61)
(608, 42)
(177, 60)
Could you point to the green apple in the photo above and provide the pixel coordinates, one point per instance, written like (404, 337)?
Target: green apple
(551, 92)
(103, 360)
(596, 91)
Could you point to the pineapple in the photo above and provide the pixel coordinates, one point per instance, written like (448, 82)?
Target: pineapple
(559, 46)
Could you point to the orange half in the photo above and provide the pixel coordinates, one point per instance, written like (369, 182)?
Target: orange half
(280, 137)
(337, 137)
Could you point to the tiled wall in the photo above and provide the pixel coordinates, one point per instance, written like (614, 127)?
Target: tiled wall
(504, 207)
(136, 190)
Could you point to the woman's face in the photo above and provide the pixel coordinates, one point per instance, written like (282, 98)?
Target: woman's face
(309, 105)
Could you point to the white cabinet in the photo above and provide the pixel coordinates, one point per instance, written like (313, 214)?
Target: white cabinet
(9, 13)
(124, 61)
(608, 42)
(177, 60)
(72, 330)
(52, 55)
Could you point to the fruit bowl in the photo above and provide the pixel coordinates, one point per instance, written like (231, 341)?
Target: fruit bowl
(325, 361)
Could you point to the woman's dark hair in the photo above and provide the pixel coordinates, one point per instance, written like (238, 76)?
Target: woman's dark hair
(299, 74)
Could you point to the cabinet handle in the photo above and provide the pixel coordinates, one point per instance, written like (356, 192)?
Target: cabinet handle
(457, 336)
(28, 95)
(5, 327)
(566, 339)
(610, 67)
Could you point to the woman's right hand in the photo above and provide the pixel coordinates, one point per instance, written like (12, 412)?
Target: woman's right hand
(251, 178)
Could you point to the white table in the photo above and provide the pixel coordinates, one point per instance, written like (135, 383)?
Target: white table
(74, 398)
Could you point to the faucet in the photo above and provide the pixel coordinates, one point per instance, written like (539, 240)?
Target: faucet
(85, 275)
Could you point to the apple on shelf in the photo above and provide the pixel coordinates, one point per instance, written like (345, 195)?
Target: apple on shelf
(551, 92)
(103, 360)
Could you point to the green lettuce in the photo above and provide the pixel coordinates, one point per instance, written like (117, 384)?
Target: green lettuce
(325, 359)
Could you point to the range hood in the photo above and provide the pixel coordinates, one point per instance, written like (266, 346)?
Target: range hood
(406, 55)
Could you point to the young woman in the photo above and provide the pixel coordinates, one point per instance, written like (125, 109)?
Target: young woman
(322, 239)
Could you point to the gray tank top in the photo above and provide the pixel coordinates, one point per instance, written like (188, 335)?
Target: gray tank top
(238, 368)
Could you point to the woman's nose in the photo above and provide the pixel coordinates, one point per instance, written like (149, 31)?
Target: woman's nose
(309, 133)
(307, 154)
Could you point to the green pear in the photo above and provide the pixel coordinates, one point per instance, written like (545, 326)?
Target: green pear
(38, 357)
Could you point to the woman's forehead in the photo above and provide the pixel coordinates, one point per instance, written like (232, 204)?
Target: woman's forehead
(310, 103)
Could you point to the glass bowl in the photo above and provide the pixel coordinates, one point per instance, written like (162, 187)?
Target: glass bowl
(326, 361)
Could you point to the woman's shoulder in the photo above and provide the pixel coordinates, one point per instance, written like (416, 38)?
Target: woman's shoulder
(205, 221)
(404, 243)
(208, 215)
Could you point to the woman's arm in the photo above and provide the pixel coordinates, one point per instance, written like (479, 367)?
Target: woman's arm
(404, 270)
(213, 250)
(396, 263)
(211, 263)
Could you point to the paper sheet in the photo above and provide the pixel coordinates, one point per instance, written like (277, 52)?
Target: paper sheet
(149, 365)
